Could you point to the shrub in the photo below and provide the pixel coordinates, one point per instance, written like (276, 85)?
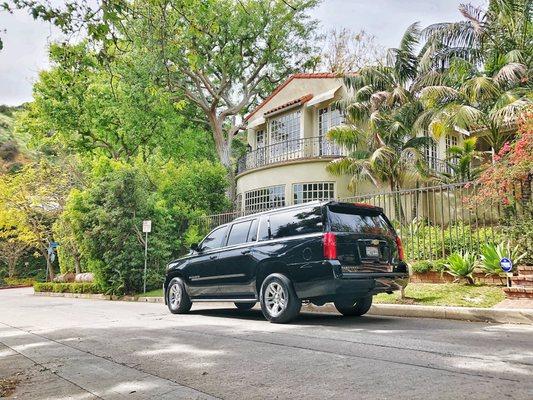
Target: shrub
(18, 281)
(491, 254)
(421, 267)
(103, 221)
(54, 287)
(8, 150)
(520, 233)
(461, 265)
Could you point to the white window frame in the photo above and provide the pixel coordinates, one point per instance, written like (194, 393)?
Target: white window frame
(326, 147)
(320, 193)
(264, 198)
(287, 145)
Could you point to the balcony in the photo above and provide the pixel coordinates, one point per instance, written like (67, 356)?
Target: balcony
(308, 148)
(290, 150)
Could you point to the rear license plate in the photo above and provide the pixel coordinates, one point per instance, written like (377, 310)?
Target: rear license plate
(372, 251)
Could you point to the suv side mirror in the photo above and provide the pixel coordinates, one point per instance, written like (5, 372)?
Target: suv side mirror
(195, 247)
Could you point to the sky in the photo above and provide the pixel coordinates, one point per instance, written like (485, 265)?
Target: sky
(26, 40)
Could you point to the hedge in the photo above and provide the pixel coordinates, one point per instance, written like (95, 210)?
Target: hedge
(76, 287)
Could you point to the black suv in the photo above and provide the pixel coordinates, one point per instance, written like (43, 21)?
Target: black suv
(318, 252)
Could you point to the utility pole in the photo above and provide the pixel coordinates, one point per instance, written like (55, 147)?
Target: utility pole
(147, 227)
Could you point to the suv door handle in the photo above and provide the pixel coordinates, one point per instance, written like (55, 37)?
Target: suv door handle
(213, 257)
(247, 251)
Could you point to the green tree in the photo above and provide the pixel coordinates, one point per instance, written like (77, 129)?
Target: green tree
(36, 196)
(381, 114)
(494, 36)
(460, 159)
(117, 110)
(464, 99)
(103, 221)
(220, 55)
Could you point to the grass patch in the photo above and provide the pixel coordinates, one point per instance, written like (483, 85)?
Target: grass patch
(445, 294)
(152, 293)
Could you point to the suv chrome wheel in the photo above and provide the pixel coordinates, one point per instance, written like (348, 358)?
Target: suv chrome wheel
(177, 299)
(279, 301)
(174, 296)
(275, 299)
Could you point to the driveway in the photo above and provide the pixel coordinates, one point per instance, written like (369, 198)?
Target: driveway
(91, 349)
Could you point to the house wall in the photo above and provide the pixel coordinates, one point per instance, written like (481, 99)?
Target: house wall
(305, 171)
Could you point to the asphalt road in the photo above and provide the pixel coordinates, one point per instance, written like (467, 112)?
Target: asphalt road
(90, 349)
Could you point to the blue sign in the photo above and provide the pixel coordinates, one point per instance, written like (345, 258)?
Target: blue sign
(506, 265)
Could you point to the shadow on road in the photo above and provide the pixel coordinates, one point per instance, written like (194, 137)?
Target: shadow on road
(305, 318)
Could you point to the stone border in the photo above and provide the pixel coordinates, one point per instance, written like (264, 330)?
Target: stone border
(473, 314)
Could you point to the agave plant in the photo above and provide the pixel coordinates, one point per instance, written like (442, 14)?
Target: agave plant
(461, 265)
(491, 254)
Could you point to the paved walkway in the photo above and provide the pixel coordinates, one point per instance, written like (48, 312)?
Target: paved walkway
(90, 349)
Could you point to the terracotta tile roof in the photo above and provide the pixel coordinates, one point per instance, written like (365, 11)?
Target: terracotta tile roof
(300, 100)
(316, 75)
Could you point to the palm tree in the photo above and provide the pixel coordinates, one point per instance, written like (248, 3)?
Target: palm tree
(466, 100)
(380, 113)
(459, 161)
(498, 35)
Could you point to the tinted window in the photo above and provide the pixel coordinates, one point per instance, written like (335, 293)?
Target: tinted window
(357, 221)
(296, 222)
(263, 229)
(239, 233)
(214, 240)
(252, 233)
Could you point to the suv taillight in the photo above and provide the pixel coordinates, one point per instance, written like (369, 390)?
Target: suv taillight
(330, 246)
(400, 248)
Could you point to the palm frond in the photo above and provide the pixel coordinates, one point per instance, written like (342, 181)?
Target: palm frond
(378, 98)
(510, 74)
(480, 88)
(346, 136)
(431, 96)
(509, 113)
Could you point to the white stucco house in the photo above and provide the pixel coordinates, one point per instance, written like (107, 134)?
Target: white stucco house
(288, 149)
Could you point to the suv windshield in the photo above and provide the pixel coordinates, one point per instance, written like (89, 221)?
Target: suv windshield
(355, 220)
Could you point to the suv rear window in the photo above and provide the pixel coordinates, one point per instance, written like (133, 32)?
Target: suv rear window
(353, 220)
(296, 222)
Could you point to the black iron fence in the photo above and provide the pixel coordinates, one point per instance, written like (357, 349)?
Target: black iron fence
(432, 222)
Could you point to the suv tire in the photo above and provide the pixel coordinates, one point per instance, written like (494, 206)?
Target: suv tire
(279, 301)
(351, 308)
(245, 306)
(178, 300)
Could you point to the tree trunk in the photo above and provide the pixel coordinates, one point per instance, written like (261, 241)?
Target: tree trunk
(49, 266)
(11, 267)
(77, 264)
(223, 147)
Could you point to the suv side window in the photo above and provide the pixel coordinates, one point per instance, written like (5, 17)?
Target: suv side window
(252, 233)
(214, 239)
(239, 233)
(296, 222)
(263, 229)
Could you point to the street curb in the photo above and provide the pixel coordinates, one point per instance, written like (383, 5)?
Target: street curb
(473, 314)
(101, 297)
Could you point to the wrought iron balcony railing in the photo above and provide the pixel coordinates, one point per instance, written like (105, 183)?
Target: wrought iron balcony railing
(288, 150)
(313, 147)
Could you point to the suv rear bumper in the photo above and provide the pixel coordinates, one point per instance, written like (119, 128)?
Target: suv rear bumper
(353, 284)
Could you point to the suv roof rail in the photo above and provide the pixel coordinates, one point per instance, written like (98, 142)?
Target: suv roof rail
(274, 210)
